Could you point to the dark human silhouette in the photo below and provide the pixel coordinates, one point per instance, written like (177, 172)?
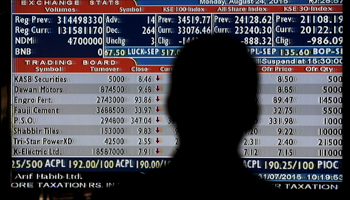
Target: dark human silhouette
(213, 102)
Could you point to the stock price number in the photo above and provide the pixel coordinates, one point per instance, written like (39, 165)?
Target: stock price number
(330, 131)
(283, 110)
(144, 130)
(112, 120)
(286, 131)
(288, 141)
(144, 141)
(141, 120)
(332, 110)
(295, 52)
(18, 164)
(283, 100)
(79, 30)
(257, 40)
(193, 30)
(144, 151)
(144, 89)
(109, 151)
(286, 89)
(112, 89)
(240, 30)
(173, 52)
(326, 40)
(153, 164)
(279, 120)
(330, 100)
(85, 41)
(335, 79)
(286, 152)
(251, 141)
(332, 89)
(330, 152)
(253, 131)
(251, 19)
(321, 19)
(143, 99)
(79, 19)
(110, 99)
(112, 131)
(194, 19)
(148, 30)
(110, 110)
(333, 121)
(251, 152)
(116, 79)
(287, 165)
(321, 30)
(114, 141)
(330, 142)
(144, 79)
(142, 110)
(286, 79)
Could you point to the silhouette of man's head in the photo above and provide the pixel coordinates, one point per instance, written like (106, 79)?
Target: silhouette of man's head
(213, 93)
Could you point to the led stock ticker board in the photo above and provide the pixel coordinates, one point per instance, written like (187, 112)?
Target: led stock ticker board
(90, 79)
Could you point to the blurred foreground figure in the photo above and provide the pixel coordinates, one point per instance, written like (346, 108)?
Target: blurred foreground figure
(212, 100)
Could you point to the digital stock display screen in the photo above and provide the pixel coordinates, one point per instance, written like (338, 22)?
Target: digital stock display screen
(90, 80)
